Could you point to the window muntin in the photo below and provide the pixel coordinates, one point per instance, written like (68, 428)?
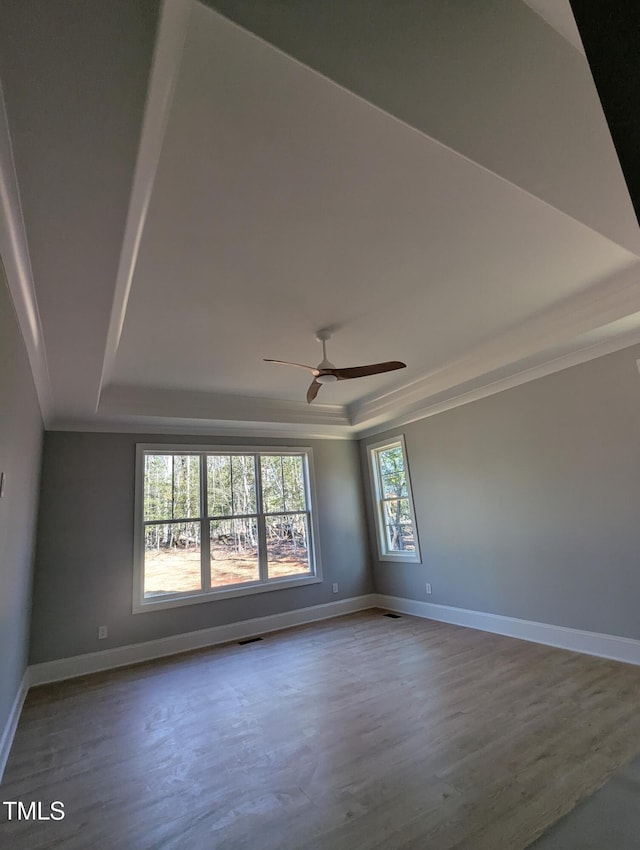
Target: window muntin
(221, 522)
(396, 530)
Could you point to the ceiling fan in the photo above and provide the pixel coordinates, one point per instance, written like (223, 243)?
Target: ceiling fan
(326, 373)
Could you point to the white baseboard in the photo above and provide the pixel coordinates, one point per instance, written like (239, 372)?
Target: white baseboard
(590, 643)
(12, 723)
(80, 665)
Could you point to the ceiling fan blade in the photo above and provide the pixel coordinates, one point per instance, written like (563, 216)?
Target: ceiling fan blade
(372, 369)
(311, 369)
(312, 392)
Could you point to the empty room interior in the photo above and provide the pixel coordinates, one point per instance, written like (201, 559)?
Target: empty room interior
(320, 424)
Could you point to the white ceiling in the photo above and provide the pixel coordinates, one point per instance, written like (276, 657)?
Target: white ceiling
(192, 211)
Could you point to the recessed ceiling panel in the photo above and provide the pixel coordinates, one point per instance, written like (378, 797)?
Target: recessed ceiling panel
(284, 203)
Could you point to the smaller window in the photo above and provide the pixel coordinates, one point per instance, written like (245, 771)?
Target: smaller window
(397, 534)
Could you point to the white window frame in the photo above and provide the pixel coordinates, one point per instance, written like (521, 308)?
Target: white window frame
(264, 584)
(385, 554)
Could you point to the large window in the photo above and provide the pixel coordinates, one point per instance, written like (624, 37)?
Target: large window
(216, 522)
(397, 534)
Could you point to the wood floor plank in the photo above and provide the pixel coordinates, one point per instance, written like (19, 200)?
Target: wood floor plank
(359, 733)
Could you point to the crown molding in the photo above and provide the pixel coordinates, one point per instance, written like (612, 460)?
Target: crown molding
(14, 253)
(566, 361)
(203, 428)
(607, 301)
(194, 405)
(165, 68)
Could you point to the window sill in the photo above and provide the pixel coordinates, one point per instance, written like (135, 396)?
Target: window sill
(159, 603)
(412, 558)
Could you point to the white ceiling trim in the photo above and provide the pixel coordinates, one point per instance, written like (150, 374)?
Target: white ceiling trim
(165, 68)
(566, 361)
(14, 252)
(193, 405)
(211, 428)
(611, 299)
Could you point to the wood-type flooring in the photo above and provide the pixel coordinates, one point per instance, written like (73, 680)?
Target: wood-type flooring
(358, 733)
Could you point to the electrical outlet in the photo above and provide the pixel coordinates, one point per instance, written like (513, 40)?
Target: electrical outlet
(334, 587)
(428, 586)
(102, 632)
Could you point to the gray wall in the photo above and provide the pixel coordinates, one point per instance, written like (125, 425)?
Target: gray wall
(527, 506)
(83, 575)
(528, 502)
(20, 450)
